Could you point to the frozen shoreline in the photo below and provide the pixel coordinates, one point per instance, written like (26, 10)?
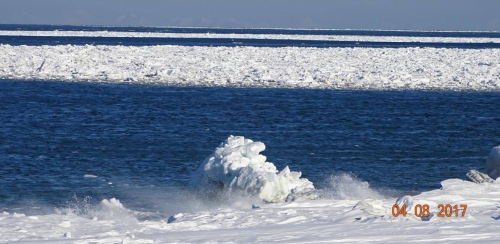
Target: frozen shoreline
(290, 67)
(342, 221)
(365, 217)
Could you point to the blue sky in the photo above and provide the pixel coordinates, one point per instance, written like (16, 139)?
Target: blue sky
(468, 15)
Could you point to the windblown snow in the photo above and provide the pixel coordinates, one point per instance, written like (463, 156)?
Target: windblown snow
(327, 220)
(288, 67)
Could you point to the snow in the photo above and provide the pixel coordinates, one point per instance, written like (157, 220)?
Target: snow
(252, 36)
(324, 220)
(238, 165)
(288, 67)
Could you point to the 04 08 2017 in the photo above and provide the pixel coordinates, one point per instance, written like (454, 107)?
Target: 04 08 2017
(423, 210)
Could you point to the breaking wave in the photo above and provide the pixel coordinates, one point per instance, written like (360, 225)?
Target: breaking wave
(346, 186)
(234, 176)
(237, 166)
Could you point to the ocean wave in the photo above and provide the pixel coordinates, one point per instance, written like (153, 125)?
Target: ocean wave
(345, 186)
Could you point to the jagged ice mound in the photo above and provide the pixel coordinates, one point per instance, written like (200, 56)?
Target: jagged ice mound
(492, 169)
(237, 165)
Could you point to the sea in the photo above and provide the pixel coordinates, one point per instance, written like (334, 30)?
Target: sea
(63, 143)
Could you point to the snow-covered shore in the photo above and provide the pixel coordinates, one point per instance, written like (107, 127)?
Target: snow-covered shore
(363, 215)
(327, 220)
(289, 67)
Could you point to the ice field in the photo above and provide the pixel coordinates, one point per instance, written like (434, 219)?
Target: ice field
(290, 67)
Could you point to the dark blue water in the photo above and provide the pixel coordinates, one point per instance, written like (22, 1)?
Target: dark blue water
(151, 138)
(228, 42)
(231, 42)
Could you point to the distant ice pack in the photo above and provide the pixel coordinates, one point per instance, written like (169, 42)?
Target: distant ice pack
(287, 67)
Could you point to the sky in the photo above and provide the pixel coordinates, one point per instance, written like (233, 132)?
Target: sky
(460, 15)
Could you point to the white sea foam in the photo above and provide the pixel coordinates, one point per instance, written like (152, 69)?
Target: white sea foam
(347, 187)
(107, 209)
(290, 67)
(113, 209)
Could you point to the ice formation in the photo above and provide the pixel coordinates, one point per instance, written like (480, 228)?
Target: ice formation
(478, 177)
(289, 67)
(493, 163)
(238, 165)
(406, 201)
(492, 169)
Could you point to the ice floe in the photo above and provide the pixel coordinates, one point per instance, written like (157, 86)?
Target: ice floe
(288, 67)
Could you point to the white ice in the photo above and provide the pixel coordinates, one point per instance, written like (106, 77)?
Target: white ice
(237, 165)
(288, 67)
(493, 163)
(253, 36)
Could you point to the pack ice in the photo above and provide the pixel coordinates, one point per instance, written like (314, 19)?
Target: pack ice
(266, 67)
(237, 165)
